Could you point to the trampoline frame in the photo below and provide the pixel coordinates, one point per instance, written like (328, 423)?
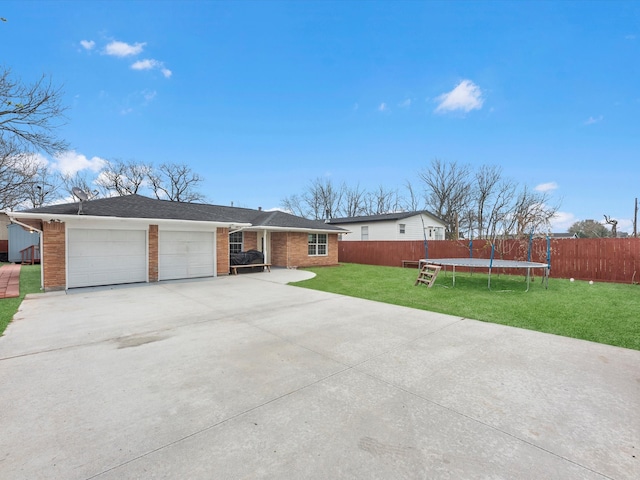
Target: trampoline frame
(489, 263)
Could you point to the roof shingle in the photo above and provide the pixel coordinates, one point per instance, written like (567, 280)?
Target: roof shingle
(138, 206)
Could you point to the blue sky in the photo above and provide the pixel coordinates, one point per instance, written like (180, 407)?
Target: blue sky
(262, 97)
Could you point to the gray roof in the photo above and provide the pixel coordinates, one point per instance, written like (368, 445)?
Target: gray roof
(137, 206)
(382, 217)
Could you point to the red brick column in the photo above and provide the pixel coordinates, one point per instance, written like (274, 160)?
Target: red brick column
(222, 251)
(153, 253)
(54, 256)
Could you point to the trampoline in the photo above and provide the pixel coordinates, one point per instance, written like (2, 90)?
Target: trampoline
(488, 263)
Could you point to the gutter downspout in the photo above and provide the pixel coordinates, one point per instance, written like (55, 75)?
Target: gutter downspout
(41, 234)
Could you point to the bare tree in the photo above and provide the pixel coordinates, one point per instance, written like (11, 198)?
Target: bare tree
(486, 180)
(176, 182)
(16, 172)
(412, 201)
(354, 202)
(44, 187)
(79, 180)
(499, 211)
(322, 199)
(30, 114)
(383, 200)
(123, 178)
(447, 189)
(530, 213)
(327, 196)
(614, 225)
(296, 205)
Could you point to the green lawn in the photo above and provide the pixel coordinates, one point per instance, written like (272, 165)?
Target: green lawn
(29, 283)
(603, 312)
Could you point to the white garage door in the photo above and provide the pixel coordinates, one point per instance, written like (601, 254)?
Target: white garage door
(106, 257)
(185, 255)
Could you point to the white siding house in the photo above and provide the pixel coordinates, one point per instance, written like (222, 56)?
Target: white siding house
(392, 226)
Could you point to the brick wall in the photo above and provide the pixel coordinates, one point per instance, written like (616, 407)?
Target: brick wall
(222, 250)
(279, 252)
(250, 241)
(291, 249)
(153, 253)
(54, 246)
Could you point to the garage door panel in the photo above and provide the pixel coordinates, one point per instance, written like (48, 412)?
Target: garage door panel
(185, 255)
(106, 257)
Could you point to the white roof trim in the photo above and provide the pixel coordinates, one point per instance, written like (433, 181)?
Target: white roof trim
(48, 217)
(292, 229)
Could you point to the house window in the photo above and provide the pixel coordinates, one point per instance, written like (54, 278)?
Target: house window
(317, 244)
(235, 242)
(364, 233)
(402, 228)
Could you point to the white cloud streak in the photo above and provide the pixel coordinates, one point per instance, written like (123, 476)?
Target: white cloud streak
(146, 64)
(123, 49)
(87, 44)
(546, 187)
(561, 221)
(383, 107)
(466, 96)
(592, 120)
(151, 64)
(71, 162)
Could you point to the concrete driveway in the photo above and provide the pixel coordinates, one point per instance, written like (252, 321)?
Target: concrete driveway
(248, 378)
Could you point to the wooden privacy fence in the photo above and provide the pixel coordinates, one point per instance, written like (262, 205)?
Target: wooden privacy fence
(597, 259)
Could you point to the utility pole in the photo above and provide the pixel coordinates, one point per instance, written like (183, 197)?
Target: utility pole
(635, 220)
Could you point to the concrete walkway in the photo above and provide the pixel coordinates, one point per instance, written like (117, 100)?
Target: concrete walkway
(246, 378)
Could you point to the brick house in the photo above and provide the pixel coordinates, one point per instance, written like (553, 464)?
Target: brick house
(133, 239)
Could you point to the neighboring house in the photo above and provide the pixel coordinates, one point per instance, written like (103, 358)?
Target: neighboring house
(392, 226)
(21, 241)
(138, 239)
(4, 237)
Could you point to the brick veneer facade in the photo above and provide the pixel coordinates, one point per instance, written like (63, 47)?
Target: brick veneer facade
(291, 249)
(54, 256)
(222, 251)
(153, 253)
(288, 249)
(250, 241)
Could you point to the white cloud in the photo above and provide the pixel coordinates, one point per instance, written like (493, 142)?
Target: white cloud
(151, 64)
(561, 221)
(466, 96)
(136, 100)
(630, 37)
(148, 95)
(625, 225)
(546, 187)
(146, 64)
(71, 162)
(122, 49)
(87, 44)
(592, 120)
(383, 107)
(405, 104)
